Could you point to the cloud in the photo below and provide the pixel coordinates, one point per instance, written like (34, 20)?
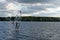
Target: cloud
(11, 6)
(11, 1)
(35, 8)
(2, 6)
(33, 1)
(26, 14)
(39, 1)
(31, 7)
(2, 1)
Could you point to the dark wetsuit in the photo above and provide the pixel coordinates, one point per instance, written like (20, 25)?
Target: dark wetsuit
(17, 25)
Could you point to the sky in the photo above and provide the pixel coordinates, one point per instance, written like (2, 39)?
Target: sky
(44, 8)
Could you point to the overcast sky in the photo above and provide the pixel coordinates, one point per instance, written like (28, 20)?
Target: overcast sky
(50, 8)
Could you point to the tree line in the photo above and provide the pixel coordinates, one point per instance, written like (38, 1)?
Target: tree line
(30, 18)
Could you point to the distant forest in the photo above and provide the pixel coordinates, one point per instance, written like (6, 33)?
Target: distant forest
(30, 18)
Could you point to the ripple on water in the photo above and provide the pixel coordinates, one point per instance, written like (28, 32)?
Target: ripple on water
(30, 31)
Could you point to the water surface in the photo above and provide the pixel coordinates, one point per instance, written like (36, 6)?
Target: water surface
(30, 31)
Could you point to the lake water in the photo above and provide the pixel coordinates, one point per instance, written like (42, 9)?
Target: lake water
(30, 31)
